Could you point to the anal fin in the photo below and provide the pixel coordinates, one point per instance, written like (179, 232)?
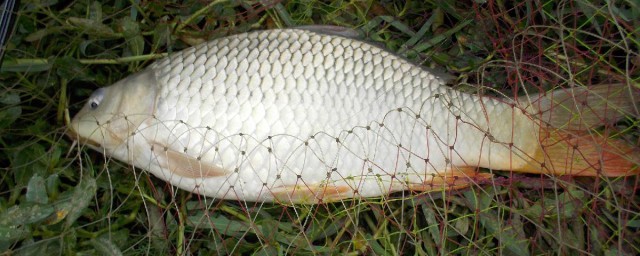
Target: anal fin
(460, 177)
(311, 194)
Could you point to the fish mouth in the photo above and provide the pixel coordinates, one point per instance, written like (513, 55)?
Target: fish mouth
(72, 134)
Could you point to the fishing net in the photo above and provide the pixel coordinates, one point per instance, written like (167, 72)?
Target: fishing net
(60, 197)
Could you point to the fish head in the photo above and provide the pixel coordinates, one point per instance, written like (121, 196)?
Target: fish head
(113, 114)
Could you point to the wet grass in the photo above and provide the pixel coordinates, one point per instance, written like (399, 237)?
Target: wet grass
(59, 199)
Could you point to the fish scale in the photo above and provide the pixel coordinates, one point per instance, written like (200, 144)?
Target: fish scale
(283, 114)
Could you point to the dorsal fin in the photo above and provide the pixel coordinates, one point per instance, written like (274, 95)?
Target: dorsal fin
(334, 30)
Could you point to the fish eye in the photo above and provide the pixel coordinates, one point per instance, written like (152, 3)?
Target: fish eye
(95, 98)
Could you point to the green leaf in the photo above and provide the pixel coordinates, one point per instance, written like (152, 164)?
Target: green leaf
(396, 24)
(131, 32)
(25, 214)
(220, 223)
(375, 246)
(570, 202)
(421, 33)
(624, 13)
(40, 34)
(440, 38)
(28, 162)
(461, 225)
(10, 109)
(82, 195)
(433, 224)
(8, 233)
(42, 247)
(37, 191)
(162, 36)
(104, 246)
(70, 68)
(31, 5)
(70, 241)
(95, 11)
(92, 27)
(25, 65)
(511, 235)
(283, 14)
(566, 206)
(633, 223)
(267, 250)
(52, 185)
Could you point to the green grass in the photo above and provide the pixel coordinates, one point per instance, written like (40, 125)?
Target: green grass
(59, 199)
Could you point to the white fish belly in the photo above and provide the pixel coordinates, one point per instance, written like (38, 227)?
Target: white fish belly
(286, 108)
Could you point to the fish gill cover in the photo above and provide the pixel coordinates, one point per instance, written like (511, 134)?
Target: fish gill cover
(62, 198)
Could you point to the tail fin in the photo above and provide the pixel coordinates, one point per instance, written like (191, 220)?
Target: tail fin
(568, 144)
(583, 154)
(584, 108)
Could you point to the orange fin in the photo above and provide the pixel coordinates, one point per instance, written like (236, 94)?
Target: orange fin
(303, 194)
(184, 165)
(582, 154)
(461, 177)
(567, 115)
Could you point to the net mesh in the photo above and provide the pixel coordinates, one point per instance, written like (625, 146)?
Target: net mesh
(88, 202)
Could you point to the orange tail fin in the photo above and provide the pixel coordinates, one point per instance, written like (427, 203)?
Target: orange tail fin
(564, 153)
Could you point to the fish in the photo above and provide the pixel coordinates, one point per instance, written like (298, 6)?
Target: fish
(315, 114)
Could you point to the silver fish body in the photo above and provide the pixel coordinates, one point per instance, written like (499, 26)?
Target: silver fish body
(298, 116)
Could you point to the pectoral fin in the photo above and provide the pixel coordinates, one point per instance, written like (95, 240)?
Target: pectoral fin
(185, 165)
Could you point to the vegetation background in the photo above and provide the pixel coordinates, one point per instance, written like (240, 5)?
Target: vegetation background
(59, 199)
